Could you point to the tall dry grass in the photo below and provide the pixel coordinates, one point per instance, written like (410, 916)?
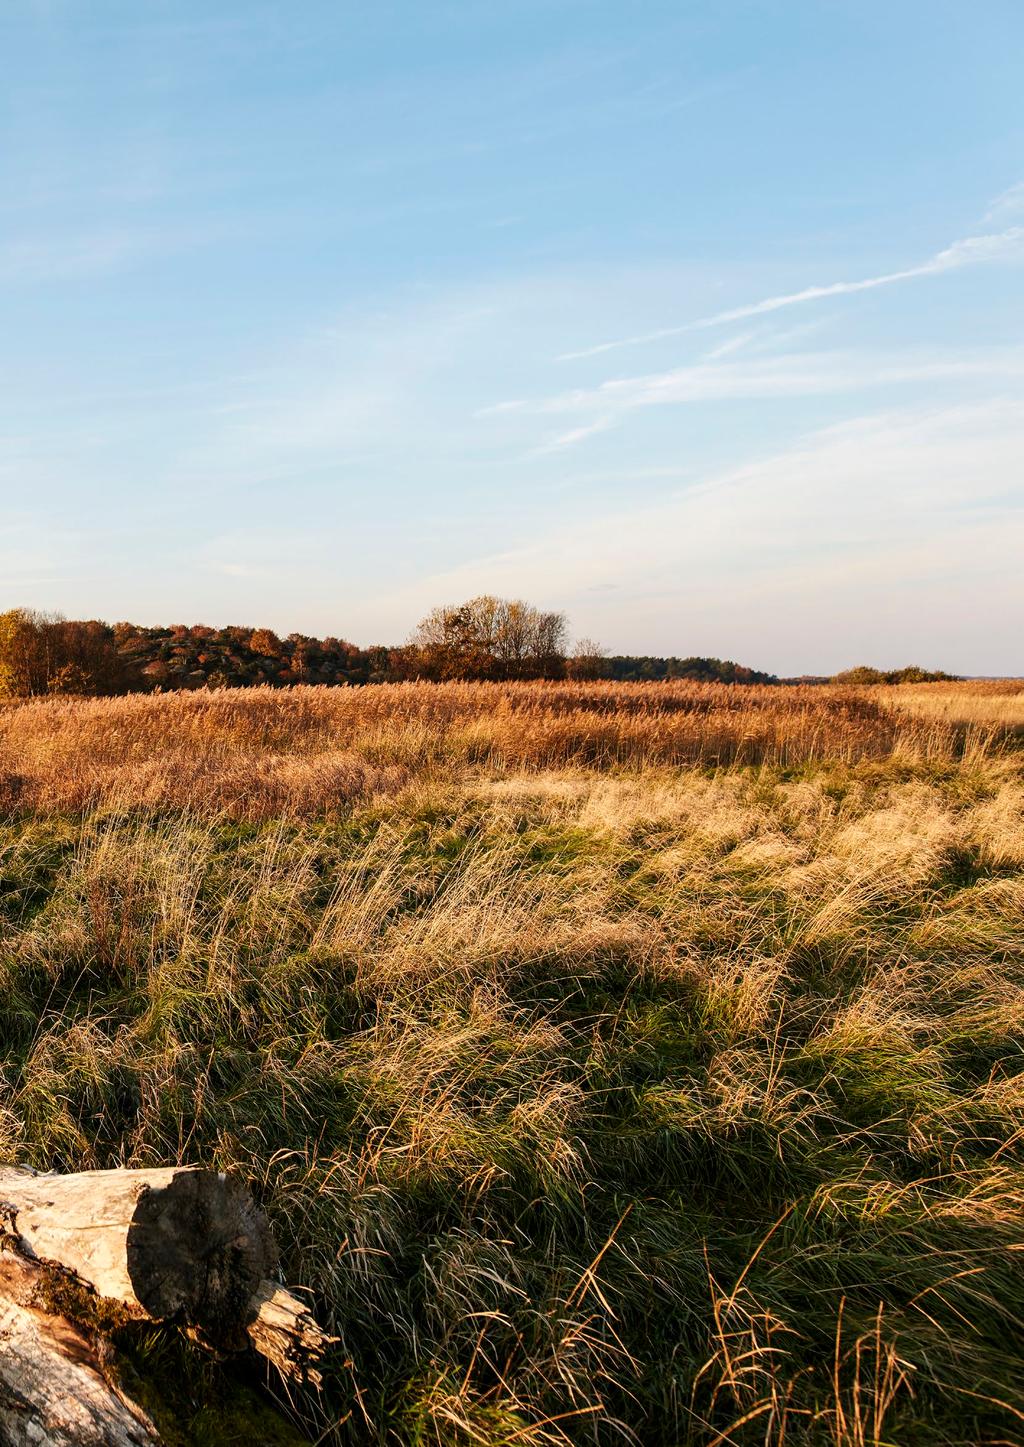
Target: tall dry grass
(262, 751)
(597, 1097)
(995, 705)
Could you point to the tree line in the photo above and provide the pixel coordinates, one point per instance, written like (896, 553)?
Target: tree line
(913, 674)
(485, 638)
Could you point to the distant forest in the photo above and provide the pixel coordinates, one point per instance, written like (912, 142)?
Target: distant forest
(486, 638)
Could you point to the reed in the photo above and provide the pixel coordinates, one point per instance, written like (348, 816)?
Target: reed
(261, 751)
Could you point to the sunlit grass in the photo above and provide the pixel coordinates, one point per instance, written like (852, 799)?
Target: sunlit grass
(638, 1099)
(260, 752)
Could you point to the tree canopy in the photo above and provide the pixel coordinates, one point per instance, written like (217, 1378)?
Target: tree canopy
(487, 637)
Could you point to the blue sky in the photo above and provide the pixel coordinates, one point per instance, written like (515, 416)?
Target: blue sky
(702, 321)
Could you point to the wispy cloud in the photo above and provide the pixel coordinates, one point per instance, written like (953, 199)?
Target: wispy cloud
(969, 251)
(1009, 203)
(573, 436)
(791, 375)
(730, 345)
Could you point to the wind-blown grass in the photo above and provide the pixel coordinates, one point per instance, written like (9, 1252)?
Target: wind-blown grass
(633, 1099)
(261, 751)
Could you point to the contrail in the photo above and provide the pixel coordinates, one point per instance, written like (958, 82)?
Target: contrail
(970, 251)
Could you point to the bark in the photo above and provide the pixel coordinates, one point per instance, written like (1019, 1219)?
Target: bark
(53, 1390)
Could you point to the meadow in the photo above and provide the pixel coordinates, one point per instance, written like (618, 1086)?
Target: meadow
(618, 1063)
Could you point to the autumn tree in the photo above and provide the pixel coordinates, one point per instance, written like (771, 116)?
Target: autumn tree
(912, 674)
(587, 660)
(265, 642)
(451, 645)
(44, 653)
(491, 637)
(524, 642)
(860, 675)
(18, 663)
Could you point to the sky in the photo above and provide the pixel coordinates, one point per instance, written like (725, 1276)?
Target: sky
(699, 320)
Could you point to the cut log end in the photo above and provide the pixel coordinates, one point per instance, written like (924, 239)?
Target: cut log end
(174, 1243)
(197, 1251)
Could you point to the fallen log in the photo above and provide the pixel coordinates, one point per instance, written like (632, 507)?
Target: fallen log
(178, 1245)
(175, 1244)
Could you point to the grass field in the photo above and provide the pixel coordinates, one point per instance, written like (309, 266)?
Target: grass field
(618, 1063)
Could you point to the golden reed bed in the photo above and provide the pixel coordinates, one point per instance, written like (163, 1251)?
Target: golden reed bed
(261, 751)
(988, 703)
